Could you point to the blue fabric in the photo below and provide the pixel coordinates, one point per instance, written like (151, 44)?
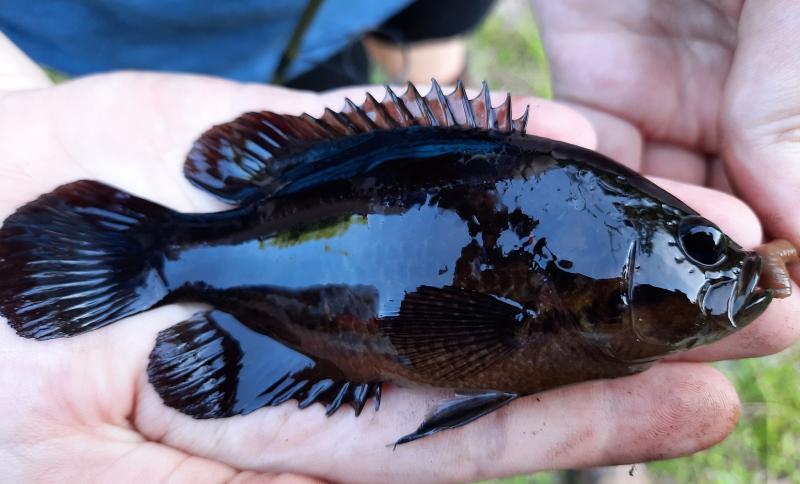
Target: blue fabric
(238, 39)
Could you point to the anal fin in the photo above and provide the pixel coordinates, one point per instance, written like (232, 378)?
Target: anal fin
(458, 412)
(212, 365)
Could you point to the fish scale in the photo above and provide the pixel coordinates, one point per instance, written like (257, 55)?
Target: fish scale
(419, 240)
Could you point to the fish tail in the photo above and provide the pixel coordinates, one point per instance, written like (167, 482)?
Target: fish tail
(79, 258)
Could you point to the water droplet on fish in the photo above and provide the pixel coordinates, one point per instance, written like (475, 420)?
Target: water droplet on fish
(679, 259)
(622, 179)
(691, 271)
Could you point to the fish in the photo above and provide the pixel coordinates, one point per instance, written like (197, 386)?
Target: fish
(416, 241)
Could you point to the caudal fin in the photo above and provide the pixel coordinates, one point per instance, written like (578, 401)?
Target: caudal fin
(79, 258)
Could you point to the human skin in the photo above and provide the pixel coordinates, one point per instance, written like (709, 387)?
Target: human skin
(690, 89)
(81, 409)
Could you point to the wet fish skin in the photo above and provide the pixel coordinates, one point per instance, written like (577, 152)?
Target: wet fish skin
(490, 258)
(482, 260)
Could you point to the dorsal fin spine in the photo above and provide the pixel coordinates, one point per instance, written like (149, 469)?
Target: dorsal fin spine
(507, 119)
(521, 124)
(250, 155)
(381, 114)
(466, 105)
(406, 118)
(491, 118)
(423, 106)
(345, 128)
(351, 107)
(449, 119)
(320, 127)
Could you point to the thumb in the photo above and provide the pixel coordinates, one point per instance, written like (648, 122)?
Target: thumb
(761, 114)
(18, 71)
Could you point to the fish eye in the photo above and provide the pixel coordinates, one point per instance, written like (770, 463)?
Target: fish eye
(702, 241)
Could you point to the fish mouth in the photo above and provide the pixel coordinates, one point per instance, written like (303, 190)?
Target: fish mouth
(747, 300)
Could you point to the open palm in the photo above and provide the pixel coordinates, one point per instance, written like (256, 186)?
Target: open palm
(691, 89)
(81, 409)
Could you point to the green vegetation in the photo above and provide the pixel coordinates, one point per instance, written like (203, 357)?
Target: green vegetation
(507, 52)
(55, 76)
(766, 443)
(541, 478)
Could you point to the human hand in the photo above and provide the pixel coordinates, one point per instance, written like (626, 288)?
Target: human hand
(692, 90)
(81, 409)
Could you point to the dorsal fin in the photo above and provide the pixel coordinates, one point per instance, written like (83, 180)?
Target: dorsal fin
(247, 157)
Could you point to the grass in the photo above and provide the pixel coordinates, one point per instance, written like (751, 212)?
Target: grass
(506, 52)
(55, 76)
(765, 446)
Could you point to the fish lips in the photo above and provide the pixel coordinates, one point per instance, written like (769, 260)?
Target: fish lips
(747, 301)
(734, 303)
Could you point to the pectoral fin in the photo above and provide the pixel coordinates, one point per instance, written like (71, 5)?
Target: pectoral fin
(457, 412)
(448, 332)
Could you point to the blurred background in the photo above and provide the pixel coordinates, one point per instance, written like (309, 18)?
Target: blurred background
(505, 50)
(765, 447)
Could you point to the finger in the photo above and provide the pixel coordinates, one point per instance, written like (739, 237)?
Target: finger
(87, 433)
(149, 122)
(778, 327)
(671, 161)
(31, 163)
(17, 70)
(774, 331)
(616, 138)
(81, 402)
(671, 410)
(546, 118)
(732, 215)
(555, 120)
(717, 177)
(443, 58)
(134, 131)
(668, 66)
(760, 122)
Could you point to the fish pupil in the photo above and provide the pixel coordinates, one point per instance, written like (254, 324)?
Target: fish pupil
(702, 242)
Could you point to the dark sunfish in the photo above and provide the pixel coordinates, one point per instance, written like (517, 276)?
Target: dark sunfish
(418, 240)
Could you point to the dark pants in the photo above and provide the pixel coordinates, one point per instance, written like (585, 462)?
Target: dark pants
(422, 20)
